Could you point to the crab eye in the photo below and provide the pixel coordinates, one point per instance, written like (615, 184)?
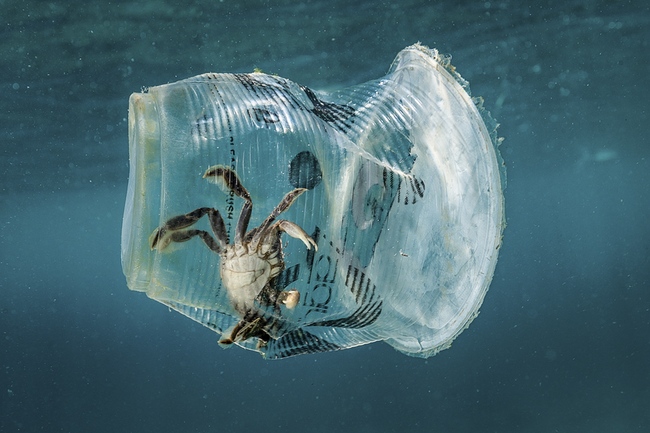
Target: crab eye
(390, 194)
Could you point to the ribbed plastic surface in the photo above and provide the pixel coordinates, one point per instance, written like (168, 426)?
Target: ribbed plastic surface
(403, 199)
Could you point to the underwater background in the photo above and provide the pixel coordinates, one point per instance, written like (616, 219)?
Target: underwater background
(562, 343)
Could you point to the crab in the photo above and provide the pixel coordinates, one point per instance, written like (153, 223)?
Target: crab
(249, 267)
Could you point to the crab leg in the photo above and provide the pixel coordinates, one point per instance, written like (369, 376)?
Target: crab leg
(186, 235)
(228, 181)
(284, 204)
(242, 222)
(161, 237)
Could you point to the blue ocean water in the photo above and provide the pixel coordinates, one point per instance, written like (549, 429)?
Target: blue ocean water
(562, 342)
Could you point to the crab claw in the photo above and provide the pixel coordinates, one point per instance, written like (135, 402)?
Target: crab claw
(295, 231)
(289, 298)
